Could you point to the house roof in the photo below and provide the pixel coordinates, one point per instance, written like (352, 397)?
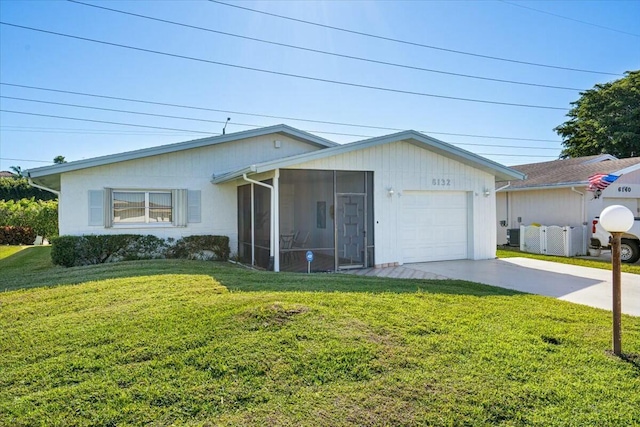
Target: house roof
(50, 175)
(569, 172)
(6, 174)
(411, 136)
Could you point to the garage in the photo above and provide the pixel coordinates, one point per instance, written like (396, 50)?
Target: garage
(434, 226)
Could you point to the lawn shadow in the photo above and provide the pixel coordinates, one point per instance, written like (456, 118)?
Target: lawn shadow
(239, 278)
(337, 282)
(632, 358)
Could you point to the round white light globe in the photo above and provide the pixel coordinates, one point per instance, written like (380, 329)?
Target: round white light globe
(616, 218)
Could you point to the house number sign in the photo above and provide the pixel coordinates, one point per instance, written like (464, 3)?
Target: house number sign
(442, 182)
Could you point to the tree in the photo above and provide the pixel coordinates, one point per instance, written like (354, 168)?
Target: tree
(606, 119)
(17, 170)
(59, 160)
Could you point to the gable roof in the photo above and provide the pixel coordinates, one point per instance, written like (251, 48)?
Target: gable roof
(7, 174)
(569, 172)
(411, 136)
(50, 175)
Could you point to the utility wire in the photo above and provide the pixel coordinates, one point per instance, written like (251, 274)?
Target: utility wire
(360, 33)
(125, 111)
(568, 18)
(106, 122)
(275, 117)
(235, 123)
(207, 133)
(323, 52)
(298, 76)
(25, 160)
(200, 132)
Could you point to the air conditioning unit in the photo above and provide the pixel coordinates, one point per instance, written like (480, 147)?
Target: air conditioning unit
(513, 237)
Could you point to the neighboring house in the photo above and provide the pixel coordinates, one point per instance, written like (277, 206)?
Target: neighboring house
(389, 200)
(7, 174)
(556, 193)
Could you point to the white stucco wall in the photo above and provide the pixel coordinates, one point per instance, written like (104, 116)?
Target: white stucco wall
(404, 167)
(188, 169)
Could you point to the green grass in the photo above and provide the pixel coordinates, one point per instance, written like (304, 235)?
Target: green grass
(593, 263)
(200, 344)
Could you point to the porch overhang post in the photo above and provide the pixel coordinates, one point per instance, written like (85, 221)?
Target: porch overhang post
(253, 226)
(273, 244)
(275, 215)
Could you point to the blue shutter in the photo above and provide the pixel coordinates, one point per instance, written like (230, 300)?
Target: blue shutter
(194, 206)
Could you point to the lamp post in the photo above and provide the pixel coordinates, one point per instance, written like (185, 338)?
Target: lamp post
(616, 220)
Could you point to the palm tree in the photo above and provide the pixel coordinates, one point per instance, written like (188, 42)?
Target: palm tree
(17, 170)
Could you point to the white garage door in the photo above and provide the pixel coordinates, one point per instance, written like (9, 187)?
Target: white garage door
(434, 225)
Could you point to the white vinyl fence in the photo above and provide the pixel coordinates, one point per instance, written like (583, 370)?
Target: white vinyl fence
(553, 240)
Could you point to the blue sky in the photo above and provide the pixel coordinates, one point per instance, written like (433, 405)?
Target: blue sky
(491, 28)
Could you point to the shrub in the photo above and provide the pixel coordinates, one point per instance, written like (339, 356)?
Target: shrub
(41, 216)
(18, 188)
(201, 247)
(72, 251)
(65, 250)
(86, 250)
(10, 235)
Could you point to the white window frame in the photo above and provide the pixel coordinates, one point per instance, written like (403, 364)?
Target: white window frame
(146, 222)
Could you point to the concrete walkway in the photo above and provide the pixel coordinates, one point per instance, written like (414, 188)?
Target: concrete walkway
(581, 285)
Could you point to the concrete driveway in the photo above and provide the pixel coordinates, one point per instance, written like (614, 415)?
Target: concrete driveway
(581, 285)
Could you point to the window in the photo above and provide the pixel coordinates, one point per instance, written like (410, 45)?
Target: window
(142, 207)
(134, 208)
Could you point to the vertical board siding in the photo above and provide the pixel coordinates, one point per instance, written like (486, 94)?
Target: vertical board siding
(406, 167)
(546, 207)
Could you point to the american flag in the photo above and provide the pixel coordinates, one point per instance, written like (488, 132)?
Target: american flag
(600, 181)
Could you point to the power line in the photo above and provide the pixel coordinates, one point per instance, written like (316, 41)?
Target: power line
(274, 117)
(122, 111)
(84, 131)
(106, 122)
(323, 52)
(360, 33)
(569, 19)
(25, 160)
(298, 76)
(214, 133)
(107, 132)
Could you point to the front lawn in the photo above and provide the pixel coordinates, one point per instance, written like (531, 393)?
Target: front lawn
(200, 344)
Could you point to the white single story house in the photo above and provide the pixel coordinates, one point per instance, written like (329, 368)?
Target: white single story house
(556, 193)
(278, 192)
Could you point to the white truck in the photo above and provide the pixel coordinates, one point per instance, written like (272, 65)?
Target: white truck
(630, 242)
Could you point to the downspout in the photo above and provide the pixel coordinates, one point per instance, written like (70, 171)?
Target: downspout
(506, 196)
(584, 220)
(272, 239)
(503, 187)
(57, 193)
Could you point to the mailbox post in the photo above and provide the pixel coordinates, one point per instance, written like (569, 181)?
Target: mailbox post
(616, 220)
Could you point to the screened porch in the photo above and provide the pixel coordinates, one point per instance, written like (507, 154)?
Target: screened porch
(327, 212)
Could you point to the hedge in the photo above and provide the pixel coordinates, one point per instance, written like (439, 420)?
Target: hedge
(10, 235)
(72, 251)
(19, 188)
(39, 215)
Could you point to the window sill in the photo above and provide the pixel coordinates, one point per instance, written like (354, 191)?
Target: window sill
(126, 226)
